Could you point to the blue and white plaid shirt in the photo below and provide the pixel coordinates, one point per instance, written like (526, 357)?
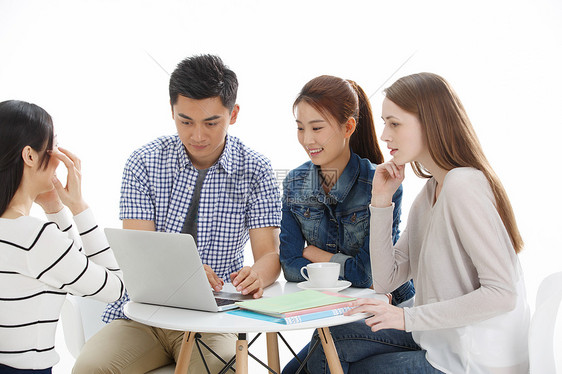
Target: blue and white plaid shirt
(239, 193)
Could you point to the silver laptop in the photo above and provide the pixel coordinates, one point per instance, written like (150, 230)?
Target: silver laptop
(165, 269)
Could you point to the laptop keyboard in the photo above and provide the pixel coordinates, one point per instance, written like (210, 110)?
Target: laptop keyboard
(223, 302)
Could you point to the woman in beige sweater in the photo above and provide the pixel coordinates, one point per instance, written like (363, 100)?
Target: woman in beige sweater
(460, 247)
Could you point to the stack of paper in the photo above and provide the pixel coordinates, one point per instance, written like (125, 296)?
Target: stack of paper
(295, 307)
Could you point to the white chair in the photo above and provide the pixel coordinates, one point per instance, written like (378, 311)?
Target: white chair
(81, 318)
(545, 333)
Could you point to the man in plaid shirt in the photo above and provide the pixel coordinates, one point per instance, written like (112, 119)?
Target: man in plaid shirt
(204, 182)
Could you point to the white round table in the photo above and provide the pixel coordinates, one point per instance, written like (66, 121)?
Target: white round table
(193, 321)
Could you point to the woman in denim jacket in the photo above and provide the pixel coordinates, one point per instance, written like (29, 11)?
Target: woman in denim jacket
(326, 200)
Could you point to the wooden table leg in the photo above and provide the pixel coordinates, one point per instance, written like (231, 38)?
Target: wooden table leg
(330, 350)
(242, 354)
(182, 365)
(273, 352)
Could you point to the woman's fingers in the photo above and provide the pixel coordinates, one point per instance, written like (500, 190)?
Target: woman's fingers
(71, 194)
(395, 171)
(75, 160)
(366, 305)
(386, 316)
(390, 169)
(72, 164)
(70, 160)
(57, 184)
(376, 323)
(64, 158)
(387, 180)
(382, 314)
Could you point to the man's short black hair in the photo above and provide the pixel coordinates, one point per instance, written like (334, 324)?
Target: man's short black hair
(202, 77)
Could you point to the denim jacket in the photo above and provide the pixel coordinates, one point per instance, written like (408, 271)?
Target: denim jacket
(337, 222)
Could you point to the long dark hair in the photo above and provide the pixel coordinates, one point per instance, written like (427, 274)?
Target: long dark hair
(21, 124)
(450, 137)
(341, 99)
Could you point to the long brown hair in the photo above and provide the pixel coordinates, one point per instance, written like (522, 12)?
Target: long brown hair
(341, 99)
(450, 136)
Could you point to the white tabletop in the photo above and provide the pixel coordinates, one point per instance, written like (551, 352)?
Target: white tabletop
(222, 322)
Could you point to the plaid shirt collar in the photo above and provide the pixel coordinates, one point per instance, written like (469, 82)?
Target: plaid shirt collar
(225, 160)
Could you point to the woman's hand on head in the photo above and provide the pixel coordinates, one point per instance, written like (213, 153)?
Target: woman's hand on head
(71, 194)
(383, 314)
(387, 179)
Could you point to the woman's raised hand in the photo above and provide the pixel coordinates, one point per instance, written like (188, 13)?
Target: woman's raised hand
(71, 194)
(387, 179)
(49, 201)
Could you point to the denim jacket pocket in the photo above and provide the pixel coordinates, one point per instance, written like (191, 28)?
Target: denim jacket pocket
(356, 228)
(309, 218)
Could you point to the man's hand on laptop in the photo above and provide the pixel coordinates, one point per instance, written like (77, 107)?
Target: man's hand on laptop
(247, 281)
(214, 280)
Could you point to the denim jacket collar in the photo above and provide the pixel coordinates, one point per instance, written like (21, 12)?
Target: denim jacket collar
(343, 185)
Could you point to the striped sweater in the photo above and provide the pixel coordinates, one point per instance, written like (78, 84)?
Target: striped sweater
(40, 262)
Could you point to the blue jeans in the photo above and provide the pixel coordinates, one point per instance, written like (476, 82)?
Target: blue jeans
(362, 351)
(402, 296)
(10, 370)
(407, 362)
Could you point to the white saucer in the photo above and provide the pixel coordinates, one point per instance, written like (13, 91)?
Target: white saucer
(340, 285)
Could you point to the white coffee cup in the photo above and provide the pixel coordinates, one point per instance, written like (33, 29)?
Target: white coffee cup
(321, 274)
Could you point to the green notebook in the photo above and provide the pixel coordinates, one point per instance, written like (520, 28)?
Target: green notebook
(291, 302)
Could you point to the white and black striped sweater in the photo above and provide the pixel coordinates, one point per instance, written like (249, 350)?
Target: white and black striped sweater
(39, 264)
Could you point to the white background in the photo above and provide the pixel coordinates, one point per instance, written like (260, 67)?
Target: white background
(98, 67)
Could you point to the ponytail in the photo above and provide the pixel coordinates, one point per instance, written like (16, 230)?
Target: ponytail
(364, 140)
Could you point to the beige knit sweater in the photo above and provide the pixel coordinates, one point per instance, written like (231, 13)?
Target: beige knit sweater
(470, 311)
